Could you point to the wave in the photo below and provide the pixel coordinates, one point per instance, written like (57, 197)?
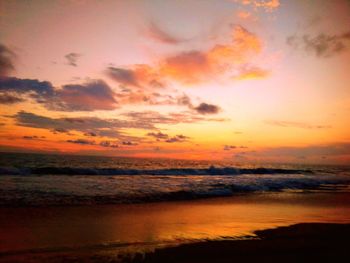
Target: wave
(169, 171)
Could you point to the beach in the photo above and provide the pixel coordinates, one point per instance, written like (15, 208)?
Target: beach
(205, 230)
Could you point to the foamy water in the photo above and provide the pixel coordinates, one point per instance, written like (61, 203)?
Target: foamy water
(31, 179)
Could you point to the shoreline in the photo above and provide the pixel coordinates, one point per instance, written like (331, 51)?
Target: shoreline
(303, 242)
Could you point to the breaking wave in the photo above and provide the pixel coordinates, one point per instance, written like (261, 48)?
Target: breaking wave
(170, 171)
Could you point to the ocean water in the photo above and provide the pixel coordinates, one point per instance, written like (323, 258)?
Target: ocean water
(41, 180)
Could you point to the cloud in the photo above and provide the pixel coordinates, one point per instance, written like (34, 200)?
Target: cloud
(266, 5)
(93, 95)
(177, 138)
(6, 60)
(100, 127)
(301, 125)
(90, 96)
(129, 143)
(38, 90)
(160, 35)
(194, 66)
(229, 147)
(34, 137)
(82, 141)
(9, 99)
(111, 144)
(111, 128)
(139, 76)
(251, 72)
(205, 108)
(152, 118)
(244, 14)
(92, 134)
(123, 76)
(158, 135)
(321, 45)
(187, 67)
(72, 58)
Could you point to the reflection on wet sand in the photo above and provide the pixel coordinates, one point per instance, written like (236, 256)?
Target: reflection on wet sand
(69, 228)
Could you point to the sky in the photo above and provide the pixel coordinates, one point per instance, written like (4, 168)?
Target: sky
(238, 80)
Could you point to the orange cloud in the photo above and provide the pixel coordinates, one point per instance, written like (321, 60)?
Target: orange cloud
(187, 67)
(244, 14)
(252, 73)
(191, 67)
(195, 67)
(267, 5)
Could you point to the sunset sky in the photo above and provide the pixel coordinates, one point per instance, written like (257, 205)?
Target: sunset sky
(240, 80)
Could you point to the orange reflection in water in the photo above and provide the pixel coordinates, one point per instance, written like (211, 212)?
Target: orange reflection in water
(67, 227)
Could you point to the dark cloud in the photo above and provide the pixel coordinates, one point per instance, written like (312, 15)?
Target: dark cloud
(111, 144)
(296, 124)
(40, 91)
(33, 137)
(321, 45)
(156, 33)
(129, 143)
(92, 134)
(177, 138)
(205, 108)
(82, 124)
(6, 60)
(93, 95)
(126, 77)
(90, 96)
(229, 147)
(6, 98)
(72, 58)
(202, 108)
(82, 141)
(60, 130)
(158, 135)
(111, 128)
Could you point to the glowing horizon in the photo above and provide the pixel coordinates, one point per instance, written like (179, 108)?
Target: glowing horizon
(241, 80)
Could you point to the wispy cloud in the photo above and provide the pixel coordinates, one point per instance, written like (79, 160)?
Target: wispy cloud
(177, 138)
(292, 124)
(72, 58)
(251, 72)
(6, 60)
(266, 5)
(321, 45)
(156, 33)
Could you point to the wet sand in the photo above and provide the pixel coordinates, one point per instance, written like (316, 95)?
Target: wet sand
(109, 232)
(296, 243)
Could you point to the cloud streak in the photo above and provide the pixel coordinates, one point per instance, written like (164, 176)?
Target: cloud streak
(302, 125)
(6, 60)
(156, 33)
(321, 45)
(72, 59)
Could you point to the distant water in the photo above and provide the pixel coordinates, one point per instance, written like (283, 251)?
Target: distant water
(38, 179)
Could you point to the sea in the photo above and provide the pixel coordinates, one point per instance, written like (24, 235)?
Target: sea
(45, 179)
(68, 208)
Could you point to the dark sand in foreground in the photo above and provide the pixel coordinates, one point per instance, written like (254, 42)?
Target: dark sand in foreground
(312, 242)
(306, 242)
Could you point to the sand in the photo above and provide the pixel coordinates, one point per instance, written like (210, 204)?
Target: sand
(180, 231)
